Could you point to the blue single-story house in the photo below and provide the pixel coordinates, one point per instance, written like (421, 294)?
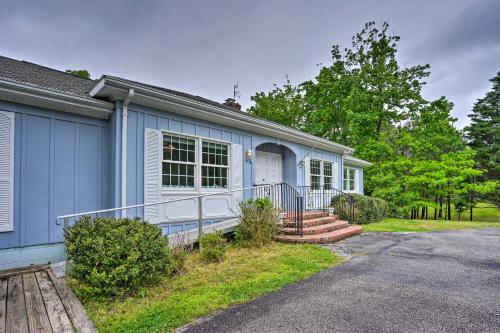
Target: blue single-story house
(70, 145)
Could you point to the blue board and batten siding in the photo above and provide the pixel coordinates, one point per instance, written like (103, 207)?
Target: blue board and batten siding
(141, 118)
(65, 163)
(61, 166)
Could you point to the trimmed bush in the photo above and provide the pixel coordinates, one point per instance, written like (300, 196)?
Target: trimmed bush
(111, 257)
(366, 209)
(213, 247)
(259, 222)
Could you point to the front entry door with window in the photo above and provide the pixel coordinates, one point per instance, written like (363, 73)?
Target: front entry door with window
(267, 168)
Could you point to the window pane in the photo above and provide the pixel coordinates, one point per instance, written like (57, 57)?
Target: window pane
(214, 154)
(327, 182)
(315, 182)
(315, 167)
(175, 174)
(214, 177)
(327, 168)
(178, 149)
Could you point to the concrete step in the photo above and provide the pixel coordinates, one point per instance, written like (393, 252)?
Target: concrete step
(318, 229)
(327, 237)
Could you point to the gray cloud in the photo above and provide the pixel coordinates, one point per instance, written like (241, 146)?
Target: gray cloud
(203, 47)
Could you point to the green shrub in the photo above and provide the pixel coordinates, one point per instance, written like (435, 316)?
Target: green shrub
(213, 247)
(259, 222)
(366, 209)
(178, 257)
(110, 257)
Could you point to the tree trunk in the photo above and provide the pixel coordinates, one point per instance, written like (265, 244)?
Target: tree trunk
(448, 203)
(440, 207)
(435, 207)
(471, 204)
(379, 125)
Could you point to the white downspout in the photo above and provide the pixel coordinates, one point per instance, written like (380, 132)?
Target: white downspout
(123, 195)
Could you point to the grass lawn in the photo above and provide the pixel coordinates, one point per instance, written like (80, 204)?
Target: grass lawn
(398, 225)
(204, 288)
(484, 216)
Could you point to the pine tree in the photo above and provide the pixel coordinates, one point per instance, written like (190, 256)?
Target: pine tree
(483, 134)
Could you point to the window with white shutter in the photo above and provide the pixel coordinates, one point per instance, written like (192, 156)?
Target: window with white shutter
(152, 173)
(6, 171)
(237, 167)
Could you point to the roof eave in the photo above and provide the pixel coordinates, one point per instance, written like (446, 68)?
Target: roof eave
(353, 161)
(50, 99)
(114, 89)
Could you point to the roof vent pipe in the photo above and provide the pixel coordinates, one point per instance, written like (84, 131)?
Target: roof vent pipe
(123, 195)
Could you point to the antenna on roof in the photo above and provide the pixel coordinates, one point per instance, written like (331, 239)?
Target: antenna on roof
(236, 90)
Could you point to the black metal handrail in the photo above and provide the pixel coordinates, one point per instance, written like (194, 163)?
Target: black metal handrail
(288, 200)
(328, 199)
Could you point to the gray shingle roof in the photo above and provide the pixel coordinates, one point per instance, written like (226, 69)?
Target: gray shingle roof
(173, 92)
(25, 72)
(44, 77)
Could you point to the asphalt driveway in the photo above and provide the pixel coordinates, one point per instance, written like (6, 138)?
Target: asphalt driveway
(398, 282)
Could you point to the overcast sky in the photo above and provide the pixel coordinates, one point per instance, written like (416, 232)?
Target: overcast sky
(203, 47)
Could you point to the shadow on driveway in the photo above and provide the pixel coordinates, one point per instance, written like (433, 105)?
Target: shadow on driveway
(394, 282)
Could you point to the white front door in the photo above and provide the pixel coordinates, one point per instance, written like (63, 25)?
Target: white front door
(267, 168)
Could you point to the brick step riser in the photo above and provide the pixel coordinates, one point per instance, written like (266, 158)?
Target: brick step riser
(321, 240)
(318, 231)
(312, 216)
(313, 223)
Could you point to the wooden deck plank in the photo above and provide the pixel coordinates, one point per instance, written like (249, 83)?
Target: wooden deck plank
(3, 303)
(35, 308)
(22, 270)
(73, 307)
(16, 320)
(58, 317)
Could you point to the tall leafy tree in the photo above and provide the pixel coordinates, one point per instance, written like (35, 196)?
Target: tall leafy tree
(367, 100)
(79, 72)
(284, 105)
(483, 134)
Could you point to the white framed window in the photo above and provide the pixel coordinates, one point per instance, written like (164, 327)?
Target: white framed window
(315, 174)
(214, 165)
(179, 161)
(322, 174)
(327, 175)
(349, 179)
(173, 166)
(187, 166)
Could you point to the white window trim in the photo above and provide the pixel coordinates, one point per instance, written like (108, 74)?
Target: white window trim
(334, 176)
(332, 164)
(198, 163)
(356, 179)
(320, 175)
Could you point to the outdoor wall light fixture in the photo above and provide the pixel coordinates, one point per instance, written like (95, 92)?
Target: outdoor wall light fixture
(249, 155)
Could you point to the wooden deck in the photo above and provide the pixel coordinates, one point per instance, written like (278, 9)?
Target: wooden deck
(35, 300)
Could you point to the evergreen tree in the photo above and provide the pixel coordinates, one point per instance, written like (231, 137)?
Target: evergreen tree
(483, 134)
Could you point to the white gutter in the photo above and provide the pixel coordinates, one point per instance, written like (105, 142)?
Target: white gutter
(353, 161)
(238, 119)
(123, 195)
(46, 98)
